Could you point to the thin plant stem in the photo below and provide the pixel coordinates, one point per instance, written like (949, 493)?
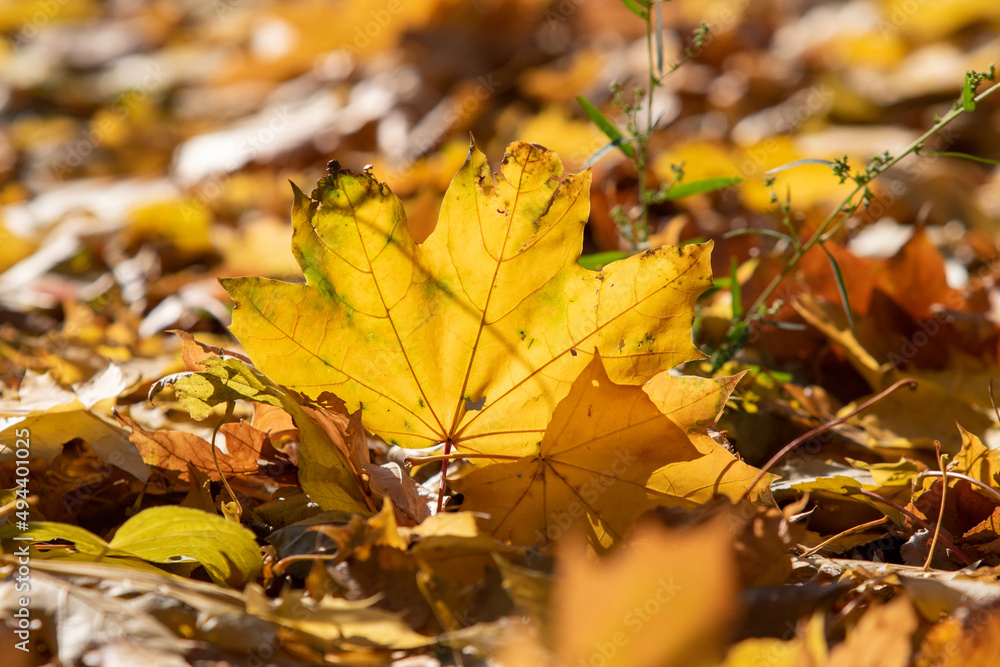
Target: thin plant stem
(987, 489)
(845, 533)
(926, 526)
(824, 232)
(825, 427)
(942, 459)
(230, 407)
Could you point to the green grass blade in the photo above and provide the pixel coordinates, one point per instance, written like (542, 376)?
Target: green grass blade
(735, 289)
(605, 125)
(698, 187)
(841, 287)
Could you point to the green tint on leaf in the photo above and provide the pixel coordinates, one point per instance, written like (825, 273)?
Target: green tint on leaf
(473, 336)
(170, 534)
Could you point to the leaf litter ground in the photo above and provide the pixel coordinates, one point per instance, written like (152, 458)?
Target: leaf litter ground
(835, 576)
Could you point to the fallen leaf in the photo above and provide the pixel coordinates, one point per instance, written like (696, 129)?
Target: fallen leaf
(649, 604)
(971, 639)
(51, 416)
(611, 453)
(78, 620)
(165, 534)
(334, 623)
(474, 336)
(325, 472)
(228, 551)
(176, 450)
(882, 638)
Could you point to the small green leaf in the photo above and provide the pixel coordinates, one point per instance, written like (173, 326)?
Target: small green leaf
(841, 287)
(170, 534)
(605, 125)
(698, 187)
(638, 7)
(599, 260)
(968, 93)
(83, 540)
(734, 288)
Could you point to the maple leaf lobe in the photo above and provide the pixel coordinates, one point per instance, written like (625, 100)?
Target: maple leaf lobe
(474, 335)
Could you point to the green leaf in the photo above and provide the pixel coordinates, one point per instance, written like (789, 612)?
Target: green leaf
(638, 7)
(598, 260)
(170, 534)
(841, 287)
(698, 187)
(605, 125)
(734, 288)
(324, 472)
(45, 531)
(228, 551)
(968, 93)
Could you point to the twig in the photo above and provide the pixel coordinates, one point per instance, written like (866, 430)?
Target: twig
(825, 427)
(926, 526)
(942, 460)
(844, 533)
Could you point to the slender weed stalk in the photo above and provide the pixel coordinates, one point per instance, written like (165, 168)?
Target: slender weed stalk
(640, 123)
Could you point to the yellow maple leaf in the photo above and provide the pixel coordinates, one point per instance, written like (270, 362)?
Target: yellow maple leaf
(473, 336)
(611, 453)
